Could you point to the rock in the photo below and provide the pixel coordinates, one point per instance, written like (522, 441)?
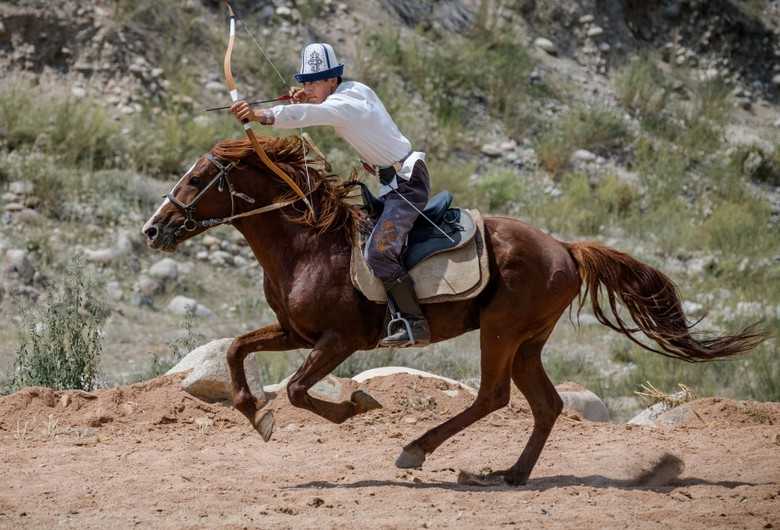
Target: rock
(585, 403)
(692, 308)
(509, 145)
(330, 388)
(491, 150)
(284, 11)
(582, 155)
(28, 216)
(209, 240)
(181, 305)
(677, 416)
(78, 92)
(147, 286)
(21, 187)
(13, 207)
(753, 163)
(777, 124)
(209, 378)
(114, 291)
(220, 257)
(586, 19)
(17, 262)
(776, 81)
(595, 31)
(649, 415)
(122, 247)
(547, 45)
(165, 269)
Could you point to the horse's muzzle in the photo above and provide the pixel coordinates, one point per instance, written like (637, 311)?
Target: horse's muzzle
(160, 237)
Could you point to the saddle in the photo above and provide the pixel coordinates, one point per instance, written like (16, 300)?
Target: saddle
(444, 267)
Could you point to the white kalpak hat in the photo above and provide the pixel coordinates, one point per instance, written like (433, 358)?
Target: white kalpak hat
(318, 61)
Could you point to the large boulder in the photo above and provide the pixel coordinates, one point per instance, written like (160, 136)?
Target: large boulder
(392, 370)
(209, 378)
(583, 402)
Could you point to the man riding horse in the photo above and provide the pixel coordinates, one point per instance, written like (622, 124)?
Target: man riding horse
(359, 117)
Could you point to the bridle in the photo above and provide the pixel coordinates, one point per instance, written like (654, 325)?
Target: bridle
(221, 180)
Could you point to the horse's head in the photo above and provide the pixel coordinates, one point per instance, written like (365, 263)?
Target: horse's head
(207, 195)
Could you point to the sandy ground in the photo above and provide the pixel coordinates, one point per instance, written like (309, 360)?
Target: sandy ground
(151, 456)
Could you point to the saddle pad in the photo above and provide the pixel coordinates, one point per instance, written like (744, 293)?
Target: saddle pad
(458, 274)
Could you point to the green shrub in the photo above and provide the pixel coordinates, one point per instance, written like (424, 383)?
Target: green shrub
(596, 129)
(60, 345)
(736, 228)
(641, 87)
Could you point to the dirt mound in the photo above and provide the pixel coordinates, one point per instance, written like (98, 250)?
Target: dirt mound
(136, 407)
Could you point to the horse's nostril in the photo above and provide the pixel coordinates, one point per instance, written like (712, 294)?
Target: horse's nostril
(151, 233)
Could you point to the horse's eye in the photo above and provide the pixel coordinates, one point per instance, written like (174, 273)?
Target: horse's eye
(195, 181)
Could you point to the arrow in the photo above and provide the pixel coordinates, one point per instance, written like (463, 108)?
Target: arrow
(280, 98)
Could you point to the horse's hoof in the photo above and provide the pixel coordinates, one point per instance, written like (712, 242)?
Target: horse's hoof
(264, 424)
(410, 457)
(364, 401)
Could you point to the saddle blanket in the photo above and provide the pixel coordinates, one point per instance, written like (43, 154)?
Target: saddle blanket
(458, 274)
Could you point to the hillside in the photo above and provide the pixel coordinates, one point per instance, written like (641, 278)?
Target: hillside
(651, 126)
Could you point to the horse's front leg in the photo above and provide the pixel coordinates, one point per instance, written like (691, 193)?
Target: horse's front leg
(268, 338)
(327, 354)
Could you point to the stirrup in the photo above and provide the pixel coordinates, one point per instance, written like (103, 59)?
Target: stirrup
(398, 318)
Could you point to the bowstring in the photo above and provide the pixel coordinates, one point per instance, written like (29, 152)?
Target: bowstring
(289, 87)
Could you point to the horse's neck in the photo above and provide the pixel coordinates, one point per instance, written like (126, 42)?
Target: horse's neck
(280, 245)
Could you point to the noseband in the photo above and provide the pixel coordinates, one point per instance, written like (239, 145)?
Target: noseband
(222, 180)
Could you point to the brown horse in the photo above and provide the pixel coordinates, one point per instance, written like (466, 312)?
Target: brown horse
(533, 279)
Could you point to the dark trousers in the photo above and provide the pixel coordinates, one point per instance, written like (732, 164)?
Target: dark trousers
(387, 241)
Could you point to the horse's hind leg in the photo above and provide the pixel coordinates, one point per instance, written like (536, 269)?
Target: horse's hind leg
(496, 362)
(546, 405)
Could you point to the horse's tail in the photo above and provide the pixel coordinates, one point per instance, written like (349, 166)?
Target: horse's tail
(653, 303)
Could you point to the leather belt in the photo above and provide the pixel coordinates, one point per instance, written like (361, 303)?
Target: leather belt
(386, 174)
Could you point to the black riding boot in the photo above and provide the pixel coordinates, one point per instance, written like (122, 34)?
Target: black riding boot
(407, 317)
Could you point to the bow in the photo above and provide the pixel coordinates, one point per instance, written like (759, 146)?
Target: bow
(234, 96)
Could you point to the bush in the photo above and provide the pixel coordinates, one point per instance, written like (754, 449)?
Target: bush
(60, 346)
(641, 87)
(596, 129)
(737, 228)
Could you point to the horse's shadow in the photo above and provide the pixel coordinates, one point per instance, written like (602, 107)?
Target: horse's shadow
(536, 484)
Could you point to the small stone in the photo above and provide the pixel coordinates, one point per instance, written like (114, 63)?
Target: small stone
(148, 286)
(182, 305)
(509, 145)
(283, 11)
(604, 47)
(114, 291)
(546, 45)
(595, 31)
(13, 207)
(78, 92)
(165, 269)
(21, 187)
(586, 19)
(491, 150)
(776, 81)
(583, 155)
(17, 262)
(65, 400)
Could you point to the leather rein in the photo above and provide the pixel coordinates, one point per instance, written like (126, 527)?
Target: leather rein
(222, 180)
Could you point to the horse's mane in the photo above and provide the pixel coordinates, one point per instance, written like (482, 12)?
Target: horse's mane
(328, 195)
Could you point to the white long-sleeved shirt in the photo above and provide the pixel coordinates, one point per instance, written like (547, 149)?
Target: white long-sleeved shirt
(358, 116)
